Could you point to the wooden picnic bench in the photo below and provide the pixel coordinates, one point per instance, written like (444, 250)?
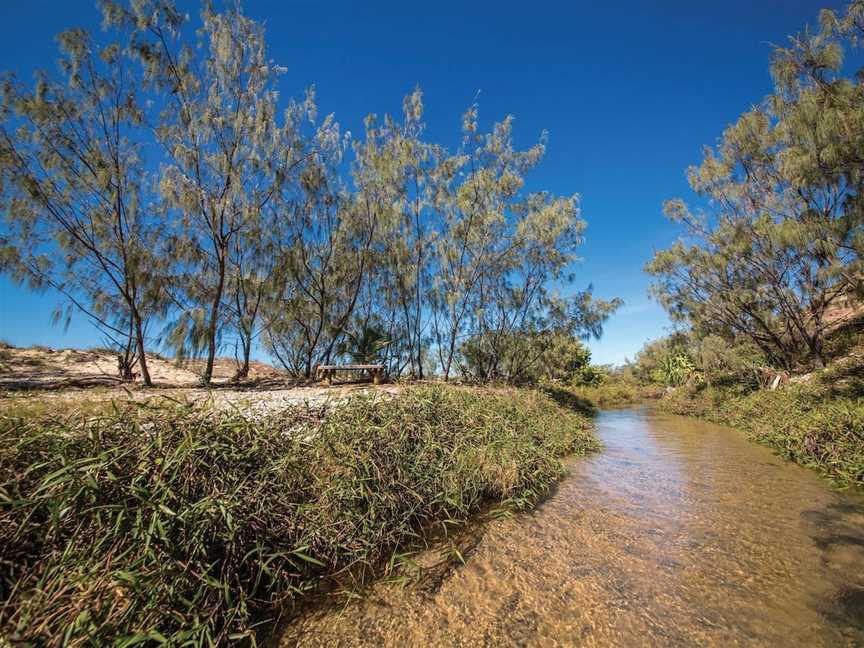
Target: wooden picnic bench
(327, 372)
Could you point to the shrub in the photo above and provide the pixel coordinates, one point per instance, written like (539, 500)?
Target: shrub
(590, 376)
(613, 391)
(524, 358)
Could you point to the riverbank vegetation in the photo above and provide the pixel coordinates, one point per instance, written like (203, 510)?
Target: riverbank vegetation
(618, 391)
(599, 387)
(189, 526)
(815, 418)
(803, 423)
(767, 279)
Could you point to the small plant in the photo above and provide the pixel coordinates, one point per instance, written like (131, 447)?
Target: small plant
(365, 346)
(677, 369)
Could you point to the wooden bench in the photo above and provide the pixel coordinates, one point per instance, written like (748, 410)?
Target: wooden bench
(327, 372)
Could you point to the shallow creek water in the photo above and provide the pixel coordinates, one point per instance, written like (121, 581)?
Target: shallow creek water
(679, 532)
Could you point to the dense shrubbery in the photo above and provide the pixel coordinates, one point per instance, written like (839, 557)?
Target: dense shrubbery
(594, 387)
(190, 527)
(617, 392)
(524, 357)
(690, 359)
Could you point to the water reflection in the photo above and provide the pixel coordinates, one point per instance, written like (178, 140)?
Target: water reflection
(678, 533)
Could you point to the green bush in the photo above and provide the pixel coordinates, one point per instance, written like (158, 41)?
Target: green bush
(613, 391)
(191, 527)
(590, 376)
(524, 358)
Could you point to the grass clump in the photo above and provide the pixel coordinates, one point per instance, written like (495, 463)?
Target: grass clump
(813, 425)
(611, 393)
(191, 527)
(617, 393)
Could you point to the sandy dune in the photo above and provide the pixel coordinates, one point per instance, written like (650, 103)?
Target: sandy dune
(45, 368)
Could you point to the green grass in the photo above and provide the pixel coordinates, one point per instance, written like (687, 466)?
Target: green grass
(609, 394)
(190, 527)
(816, 425)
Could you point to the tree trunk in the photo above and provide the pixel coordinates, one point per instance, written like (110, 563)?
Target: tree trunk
(450, 353)
(818, 355)
(125, 362)
(211, 327)
(243, 372)
(142, 356)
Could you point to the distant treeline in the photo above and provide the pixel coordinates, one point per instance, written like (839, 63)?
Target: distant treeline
(160, 185)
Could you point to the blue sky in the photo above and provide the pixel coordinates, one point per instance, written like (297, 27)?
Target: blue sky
(628, 91)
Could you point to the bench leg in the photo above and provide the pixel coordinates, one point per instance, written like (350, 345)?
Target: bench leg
(376, 377)
(330, 373)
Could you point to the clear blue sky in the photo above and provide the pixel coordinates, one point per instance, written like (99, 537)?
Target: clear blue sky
(629, 91)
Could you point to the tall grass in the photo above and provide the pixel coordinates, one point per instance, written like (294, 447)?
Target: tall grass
(611, 393)
(806, 424)
(190, 527)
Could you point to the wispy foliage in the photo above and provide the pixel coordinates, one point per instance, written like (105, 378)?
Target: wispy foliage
(783, 238)
(271, 226)
(78, 212)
